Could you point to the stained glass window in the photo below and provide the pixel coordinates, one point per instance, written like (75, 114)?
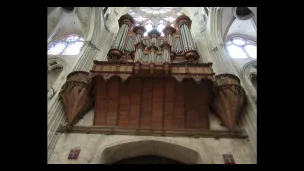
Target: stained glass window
(241, 48)
(71, 45)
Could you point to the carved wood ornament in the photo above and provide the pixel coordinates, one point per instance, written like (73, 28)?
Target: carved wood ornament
(229, 99)
(76, 95)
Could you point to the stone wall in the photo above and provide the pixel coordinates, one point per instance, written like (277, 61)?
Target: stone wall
(103, 149)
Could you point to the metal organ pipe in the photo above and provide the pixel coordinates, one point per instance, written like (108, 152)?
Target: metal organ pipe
(166, 55)
(136, 56)
(184, 39)
(170, 39)
(140, 54)
(138, 37)
(152, 56)
(187, 36)
(154, 40)
(123, 38)
(119, 36)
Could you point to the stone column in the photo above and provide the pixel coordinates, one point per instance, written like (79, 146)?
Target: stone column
(88, 55)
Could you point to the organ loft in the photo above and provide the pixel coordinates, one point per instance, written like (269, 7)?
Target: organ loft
(152, 85)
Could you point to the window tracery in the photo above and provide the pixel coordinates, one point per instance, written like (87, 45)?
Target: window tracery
(241, 48)
(71, 45)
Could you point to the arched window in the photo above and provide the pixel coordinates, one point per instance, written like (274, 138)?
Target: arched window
(241, 48)
(71, 45)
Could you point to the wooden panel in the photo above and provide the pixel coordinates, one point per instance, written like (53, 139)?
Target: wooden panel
(179, 108)
(158, 103)
(113, 101)
(146, 104)
(191, 89)
(205, 95)
(135, 88)
(170, 85)
(125, 105)
(152, 103)
(101, 101)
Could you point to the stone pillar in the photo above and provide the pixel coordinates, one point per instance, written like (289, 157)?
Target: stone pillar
(139, 31)
(88, 55)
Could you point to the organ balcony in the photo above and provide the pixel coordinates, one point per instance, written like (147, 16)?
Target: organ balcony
(153, 82)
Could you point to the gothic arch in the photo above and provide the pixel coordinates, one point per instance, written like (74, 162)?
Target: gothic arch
(133, 148)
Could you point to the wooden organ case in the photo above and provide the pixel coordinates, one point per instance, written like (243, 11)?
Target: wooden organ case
(154, 84)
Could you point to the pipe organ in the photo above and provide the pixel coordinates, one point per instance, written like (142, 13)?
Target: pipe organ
(153, 82)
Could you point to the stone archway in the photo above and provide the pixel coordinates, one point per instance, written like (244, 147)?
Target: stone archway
(148, 159)
(131, 149)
